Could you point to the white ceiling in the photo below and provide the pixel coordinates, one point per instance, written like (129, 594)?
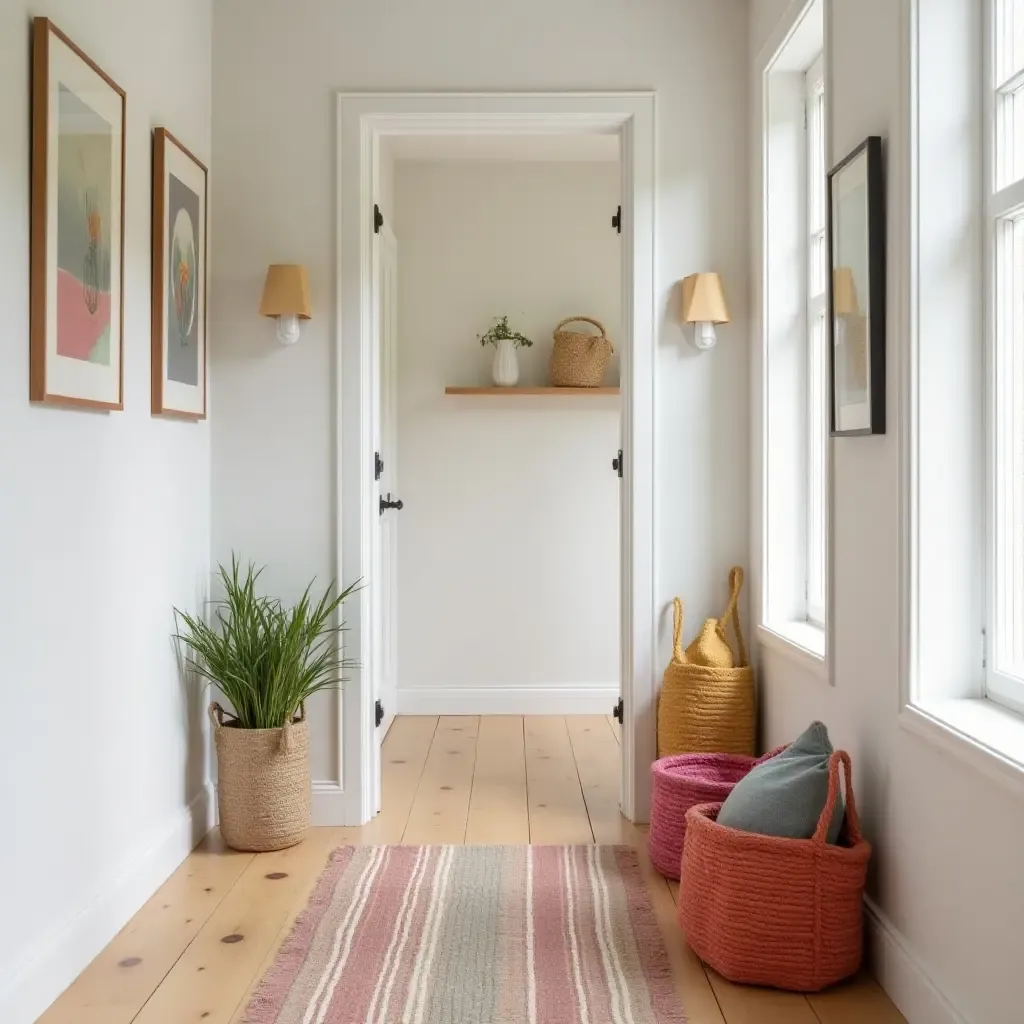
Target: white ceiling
(503, 147)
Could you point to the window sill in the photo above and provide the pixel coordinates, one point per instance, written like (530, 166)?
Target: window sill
(978, 732)
(801, 642)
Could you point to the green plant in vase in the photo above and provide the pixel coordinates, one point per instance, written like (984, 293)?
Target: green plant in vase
(505, 368)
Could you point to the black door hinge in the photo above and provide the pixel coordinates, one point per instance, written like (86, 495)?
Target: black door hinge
(617, 711)
(617, 464)
(378, 713)
(378, 219)
(617, 220)
(378, 466)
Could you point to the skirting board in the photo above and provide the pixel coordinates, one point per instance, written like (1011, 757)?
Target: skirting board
(47, 968)
(903, 976)
(507, 700)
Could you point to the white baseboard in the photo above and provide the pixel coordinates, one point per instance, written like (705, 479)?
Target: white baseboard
(31, 983)
(507, 700)
(903, 976)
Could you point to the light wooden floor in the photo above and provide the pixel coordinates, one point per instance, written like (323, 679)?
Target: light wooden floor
(196, 949)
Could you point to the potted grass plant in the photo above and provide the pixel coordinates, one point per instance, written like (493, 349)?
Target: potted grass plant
(267, 660)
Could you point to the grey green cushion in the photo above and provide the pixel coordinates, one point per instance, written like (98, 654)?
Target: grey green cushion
(785, 795)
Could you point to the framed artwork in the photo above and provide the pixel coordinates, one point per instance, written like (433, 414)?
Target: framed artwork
(179, 280)
(77, 227)
(856, 245)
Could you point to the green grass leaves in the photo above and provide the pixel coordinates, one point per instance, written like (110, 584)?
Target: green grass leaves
(265, 658)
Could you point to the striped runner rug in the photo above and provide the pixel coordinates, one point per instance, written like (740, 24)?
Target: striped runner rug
(473, 935)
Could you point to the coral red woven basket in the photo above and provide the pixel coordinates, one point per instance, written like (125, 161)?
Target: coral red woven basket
(679, 783)
(782, 912)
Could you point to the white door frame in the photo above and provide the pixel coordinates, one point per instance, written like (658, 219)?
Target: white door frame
(363, 118)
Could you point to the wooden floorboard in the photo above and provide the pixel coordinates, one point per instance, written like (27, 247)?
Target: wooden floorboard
(214, 973)
(198, 948)
(558, 813)
(498, 811)
(440, 809)
(116, 985)
(855, 1002)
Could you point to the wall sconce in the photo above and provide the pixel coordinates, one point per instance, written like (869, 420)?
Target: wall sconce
(286, 297)
(704, 307)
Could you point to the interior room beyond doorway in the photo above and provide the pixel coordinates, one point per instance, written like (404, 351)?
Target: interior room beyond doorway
(508, 543)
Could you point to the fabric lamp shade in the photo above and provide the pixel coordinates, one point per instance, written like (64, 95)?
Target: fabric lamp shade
(844, 292)
(286, 291)
(704, 300)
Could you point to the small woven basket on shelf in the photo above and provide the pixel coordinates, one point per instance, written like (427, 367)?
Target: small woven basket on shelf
(762, 910)
(263, 787)
(578, 359)
(707, 701)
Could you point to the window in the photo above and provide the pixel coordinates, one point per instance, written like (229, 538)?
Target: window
(1005, 206)
(817, 352)
(794, 366)
(962, 600)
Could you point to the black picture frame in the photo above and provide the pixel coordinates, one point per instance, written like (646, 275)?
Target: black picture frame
(856, 328)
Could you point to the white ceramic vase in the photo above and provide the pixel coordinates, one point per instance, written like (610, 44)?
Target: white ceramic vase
(505, 368)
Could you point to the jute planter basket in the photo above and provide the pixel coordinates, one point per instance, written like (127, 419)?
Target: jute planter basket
(263, 788)
(706, 703)
(578, 360)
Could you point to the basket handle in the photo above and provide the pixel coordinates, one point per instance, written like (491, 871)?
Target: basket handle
(217, 714)
(583, 320)
(852, 820)
(677, 631)
(732, 612)
(287, 741)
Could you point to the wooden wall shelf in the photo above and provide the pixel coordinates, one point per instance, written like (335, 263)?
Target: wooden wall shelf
(546, 392)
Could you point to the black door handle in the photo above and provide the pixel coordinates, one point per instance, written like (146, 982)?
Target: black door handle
(386, 503)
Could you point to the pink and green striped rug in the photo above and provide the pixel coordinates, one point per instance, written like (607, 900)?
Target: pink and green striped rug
(473, 935)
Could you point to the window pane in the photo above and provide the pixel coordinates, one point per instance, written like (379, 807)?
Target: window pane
(816, 161)
(818, 260)
(817, 435)
(1009, 448)
(817, 367)
(1009, 39)
(1010, 136)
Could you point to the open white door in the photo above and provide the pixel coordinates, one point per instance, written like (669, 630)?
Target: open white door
(384, 582)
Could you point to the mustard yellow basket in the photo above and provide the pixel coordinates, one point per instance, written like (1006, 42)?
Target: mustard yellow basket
(707, 702)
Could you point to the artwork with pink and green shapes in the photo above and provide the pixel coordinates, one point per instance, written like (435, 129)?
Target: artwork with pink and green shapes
(85, 146)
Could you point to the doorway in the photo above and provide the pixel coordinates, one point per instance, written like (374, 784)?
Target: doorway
(364, 123)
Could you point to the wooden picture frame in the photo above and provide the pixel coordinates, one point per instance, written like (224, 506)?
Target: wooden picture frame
(179, 267)
(76, 242)
(857, 292)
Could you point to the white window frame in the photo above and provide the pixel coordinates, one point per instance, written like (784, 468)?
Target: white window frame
(1003, 101)
(791, 616)
(941, 169)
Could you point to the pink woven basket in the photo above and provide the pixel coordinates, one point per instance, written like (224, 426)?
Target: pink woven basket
(679, 783)
(781, 912)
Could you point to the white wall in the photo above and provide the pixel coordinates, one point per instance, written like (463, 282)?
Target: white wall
(509, 541)
(273, 450)
(104, 527)
(947, 867)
